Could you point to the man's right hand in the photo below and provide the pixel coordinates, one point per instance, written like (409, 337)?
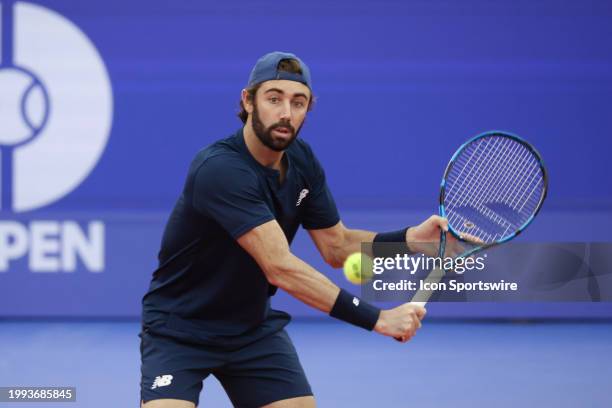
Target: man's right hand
(401, 322)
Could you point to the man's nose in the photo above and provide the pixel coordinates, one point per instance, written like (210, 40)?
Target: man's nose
(286, 111)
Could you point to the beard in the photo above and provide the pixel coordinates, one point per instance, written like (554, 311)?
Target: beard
(265, 134)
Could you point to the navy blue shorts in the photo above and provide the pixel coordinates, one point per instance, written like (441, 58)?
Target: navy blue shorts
(260, 373)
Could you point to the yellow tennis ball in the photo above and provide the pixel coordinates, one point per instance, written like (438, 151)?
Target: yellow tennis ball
(358, 268)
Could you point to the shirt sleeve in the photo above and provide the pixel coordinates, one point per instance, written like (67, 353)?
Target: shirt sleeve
(320, 209)
(226, 190)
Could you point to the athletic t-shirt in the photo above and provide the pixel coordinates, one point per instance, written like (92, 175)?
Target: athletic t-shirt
(207, 289)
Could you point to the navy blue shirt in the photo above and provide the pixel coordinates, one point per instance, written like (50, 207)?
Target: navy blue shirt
(207, 288)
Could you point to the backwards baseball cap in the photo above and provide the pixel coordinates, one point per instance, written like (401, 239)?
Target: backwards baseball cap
(266, 69)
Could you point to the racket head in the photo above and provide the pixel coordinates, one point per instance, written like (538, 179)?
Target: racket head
(492, 188)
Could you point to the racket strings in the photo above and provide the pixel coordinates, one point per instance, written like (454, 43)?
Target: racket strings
(491, 175)
(473, 185)
(470, 183)
(493, 187)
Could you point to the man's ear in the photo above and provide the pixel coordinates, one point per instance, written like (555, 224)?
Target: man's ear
(247, 101)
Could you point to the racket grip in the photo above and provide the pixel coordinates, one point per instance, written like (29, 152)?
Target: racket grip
(422, 296)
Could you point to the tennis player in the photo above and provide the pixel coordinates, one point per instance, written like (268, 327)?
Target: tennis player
(225, 251)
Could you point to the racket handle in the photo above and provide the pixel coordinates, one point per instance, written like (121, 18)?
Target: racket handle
(422, 296)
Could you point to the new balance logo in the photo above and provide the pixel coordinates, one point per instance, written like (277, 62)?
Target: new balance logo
(302, 196)
(162, 381)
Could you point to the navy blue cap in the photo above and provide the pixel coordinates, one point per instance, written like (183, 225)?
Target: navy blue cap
(266, 69)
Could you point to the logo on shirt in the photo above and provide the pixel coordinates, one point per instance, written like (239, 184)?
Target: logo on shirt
(356, 301)
(302, 196)
(162, 381)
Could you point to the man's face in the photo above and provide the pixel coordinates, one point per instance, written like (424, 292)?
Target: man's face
(279, 110)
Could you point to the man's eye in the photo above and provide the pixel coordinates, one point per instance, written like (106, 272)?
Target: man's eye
(273, 99)
(298, 104)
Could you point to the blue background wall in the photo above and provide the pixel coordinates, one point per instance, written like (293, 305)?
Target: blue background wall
(400, 84)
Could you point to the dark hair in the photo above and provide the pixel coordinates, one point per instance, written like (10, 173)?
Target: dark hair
(286, 65)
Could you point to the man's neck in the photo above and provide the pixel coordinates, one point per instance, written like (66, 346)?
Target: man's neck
(263, 154)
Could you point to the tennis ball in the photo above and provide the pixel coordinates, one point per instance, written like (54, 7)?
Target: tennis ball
(358, 268)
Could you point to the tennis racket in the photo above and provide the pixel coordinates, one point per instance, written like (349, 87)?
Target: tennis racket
(492, 189)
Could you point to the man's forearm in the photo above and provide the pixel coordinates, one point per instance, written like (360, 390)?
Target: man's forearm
(311, 287)
(304, 283)
(351, 243)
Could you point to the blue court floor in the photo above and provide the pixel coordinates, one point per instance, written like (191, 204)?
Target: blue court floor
(448, 364)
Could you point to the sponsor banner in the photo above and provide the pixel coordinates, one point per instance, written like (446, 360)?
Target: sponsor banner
(103, 105)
